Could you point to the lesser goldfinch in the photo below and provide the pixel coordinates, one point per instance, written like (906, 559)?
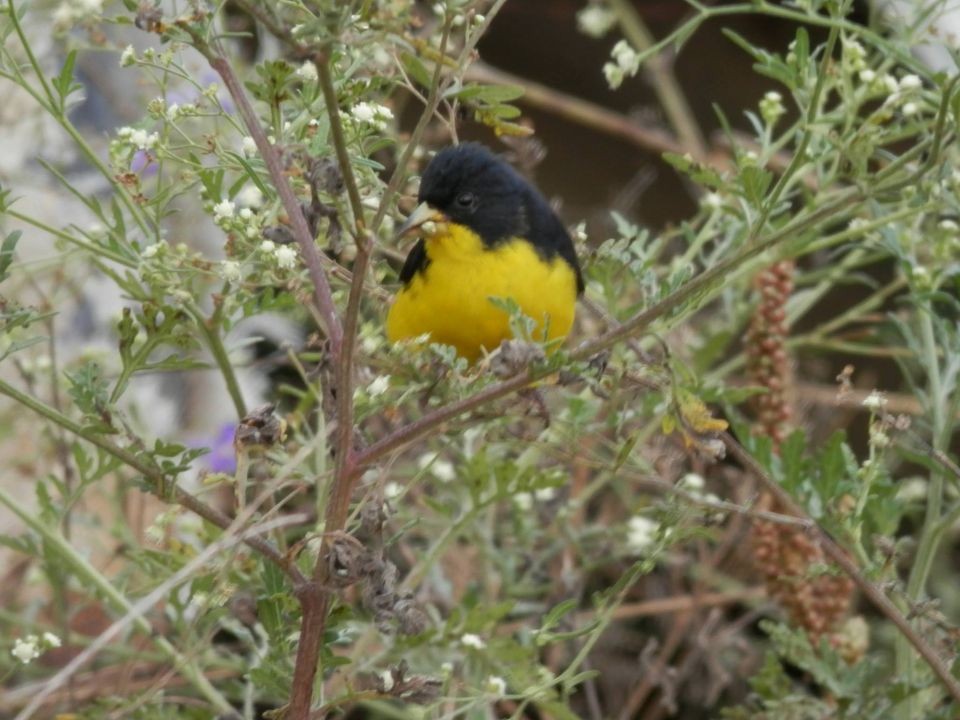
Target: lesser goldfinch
(485, 232)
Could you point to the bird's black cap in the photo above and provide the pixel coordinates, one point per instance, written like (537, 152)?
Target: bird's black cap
(475, 188)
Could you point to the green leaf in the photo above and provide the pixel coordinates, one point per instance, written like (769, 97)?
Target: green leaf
(415, 69)
(755, 181)
(6, 253)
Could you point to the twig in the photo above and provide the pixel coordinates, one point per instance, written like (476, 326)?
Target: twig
(322, 61)
(839, 556)
(308, 249)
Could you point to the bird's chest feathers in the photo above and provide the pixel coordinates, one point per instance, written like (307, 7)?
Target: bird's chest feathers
(450, 297)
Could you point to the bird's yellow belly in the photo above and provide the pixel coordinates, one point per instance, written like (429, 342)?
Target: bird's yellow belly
(450, 299)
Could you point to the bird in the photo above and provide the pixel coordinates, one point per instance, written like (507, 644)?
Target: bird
(485, 233)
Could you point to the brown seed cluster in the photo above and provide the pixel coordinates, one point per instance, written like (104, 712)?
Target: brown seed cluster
(788, 558)
(767, 359)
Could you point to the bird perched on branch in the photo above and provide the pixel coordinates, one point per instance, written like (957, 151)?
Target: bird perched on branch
(485, 233)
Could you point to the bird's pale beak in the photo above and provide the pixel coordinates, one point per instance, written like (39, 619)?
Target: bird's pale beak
(423, 214)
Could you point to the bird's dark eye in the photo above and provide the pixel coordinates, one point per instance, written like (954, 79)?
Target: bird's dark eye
(466, 200)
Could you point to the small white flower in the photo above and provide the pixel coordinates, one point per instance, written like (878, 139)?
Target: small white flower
(143, 140)
(855, 54)
(545, 494)
(626, 57)
(128, 57)
(889, 83)
(713, 200)
(595, 21)
(392, 490)
(286, 256)
(268, 246)
(378, 386)
(691, 482)
(125, 132)
(439, 8)
(25, 649)
(910, 108)
(948, 226)
(173, 112)
(867, 76)
(386, 679)
(875, 401)
(857, 223)
(479, 19)
(472, 641)
(913, 489)
(250, 196)
(523, 501)
(308, 71)
(51, 640)
(223, 210)
(496, 685)
(641, 533)
(771, 107)
(245, 214)
(230, 271)
(151, 250)
(248, 146)
(910, 82)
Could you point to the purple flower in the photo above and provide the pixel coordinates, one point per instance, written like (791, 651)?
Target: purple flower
(221, 457)
(142, 163)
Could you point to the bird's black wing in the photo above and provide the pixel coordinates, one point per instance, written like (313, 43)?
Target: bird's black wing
(549, 236)
(416, 262)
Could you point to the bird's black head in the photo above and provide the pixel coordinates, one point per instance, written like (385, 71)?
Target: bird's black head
(475, 188)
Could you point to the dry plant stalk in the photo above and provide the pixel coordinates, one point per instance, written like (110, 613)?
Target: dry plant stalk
(786, 556)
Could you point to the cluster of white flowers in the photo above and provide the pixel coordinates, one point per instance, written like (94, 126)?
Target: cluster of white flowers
(641, 534)
(176, 111)
(128, 57)
(626, 64)
(472, 641)
(308, 71)
(875, 401)
(496, 686)
(285, 256)
(712, 201)
(373, 114)
(223, 210)
(771, 107)
(70, 12)
(392, 490)
(525, 500)
(595, 20)
(441, 469)
(248, 146)
(231, 271)
(29, 648)
(378, 386)
(140, 139)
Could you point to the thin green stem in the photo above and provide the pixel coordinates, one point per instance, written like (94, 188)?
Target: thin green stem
(210, 329)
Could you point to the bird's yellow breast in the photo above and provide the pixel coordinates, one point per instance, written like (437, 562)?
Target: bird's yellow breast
(450, 298)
